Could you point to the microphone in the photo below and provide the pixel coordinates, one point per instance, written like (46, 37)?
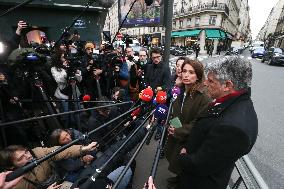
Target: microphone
(86, 98)
(136, 112)
(146, 95)
(161, 112)
(175, 92)
(161, 97)
(106, 3)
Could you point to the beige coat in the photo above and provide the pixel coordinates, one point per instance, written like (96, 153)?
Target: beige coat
(43, 170)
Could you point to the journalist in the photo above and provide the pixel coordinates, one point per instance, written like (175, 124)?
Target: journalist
(43, 175)
(226, 130)
(93, 73)
(62, 75)
(137, 75)
(176, 78)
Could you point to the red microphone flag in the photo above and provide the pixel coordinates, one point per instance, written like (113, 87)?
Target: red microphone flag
(146, 95)
(161, 97)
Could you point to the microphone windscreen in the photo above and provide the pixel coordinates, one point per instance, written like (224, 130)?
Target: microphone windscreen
(161, 97)
(146, 95)
(136, 112)
(86, 98)
(161, 112)
(175, 92)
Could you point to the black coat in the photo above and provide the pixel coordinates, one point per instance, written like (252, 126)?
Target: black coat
(158, 75)
(220, 137)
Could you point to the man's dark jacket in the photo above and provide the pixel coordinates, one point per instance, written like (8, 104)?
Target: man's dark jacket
(158, 75)
(221, 136)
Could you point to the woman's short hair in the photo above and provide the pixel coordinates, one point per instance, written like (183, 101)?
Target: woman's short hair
(233, 68)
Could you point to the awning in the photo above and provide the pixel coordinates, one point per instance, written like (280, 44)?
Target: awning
(215, 34)
(229, 36)
(175, 34)
(186, 33)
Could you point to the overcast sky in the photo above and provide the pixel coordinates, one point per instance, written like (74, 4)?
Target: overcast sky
(259, 11)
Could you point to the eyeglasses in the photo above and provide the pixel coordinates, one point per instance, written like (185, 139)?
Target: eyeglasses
(155, 57)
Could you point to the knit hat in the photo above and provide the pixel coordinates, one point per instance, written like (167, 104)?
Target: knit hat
(89, 45)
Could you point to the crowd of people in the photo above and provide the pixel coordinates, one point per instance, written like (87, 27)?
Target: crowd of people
(218, 123)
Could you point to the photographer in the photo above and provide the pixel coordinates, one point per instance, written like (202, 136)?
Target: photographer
(117, 74)
(14, 42)
(63, 91)
(137, 74)
(92, 71)
(129, 57)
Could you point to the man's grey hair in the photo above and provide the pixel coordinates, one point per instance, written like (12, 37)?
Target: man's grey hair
(233, 68)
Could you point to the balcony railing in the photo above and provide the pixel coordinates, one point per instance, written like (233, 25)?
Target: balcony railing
(203, 7)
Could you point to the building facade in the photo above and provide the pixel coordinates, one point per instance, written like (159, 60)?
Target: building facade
(211, 22)
(112, 21)
(50, 18)
(272, 25)
(200, 21)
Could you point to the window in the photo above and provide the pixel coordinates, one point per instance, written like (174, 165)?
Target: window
(181, 24)
(212, 20)
(197, 21)
(188, 22)
(174, 24)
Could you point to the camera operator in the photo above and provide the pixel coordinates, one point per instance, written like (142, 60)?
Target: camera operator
(92, 71)
(137, 75)
(64, 90)
(129, 57)
(116, 72)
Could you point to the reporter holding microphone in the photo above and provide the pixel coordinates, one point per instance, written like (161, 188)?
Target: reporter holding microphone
(43, 175)
(191, 102)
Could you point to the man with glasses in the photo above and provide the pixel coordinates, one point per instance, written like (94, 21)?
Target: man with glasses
(158, 78)
(158, 74)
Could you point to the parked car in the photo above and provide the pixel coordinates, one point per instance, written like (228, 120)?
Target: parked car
(179, 52)
(273, 56)
(172, 50)
(258, 52)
